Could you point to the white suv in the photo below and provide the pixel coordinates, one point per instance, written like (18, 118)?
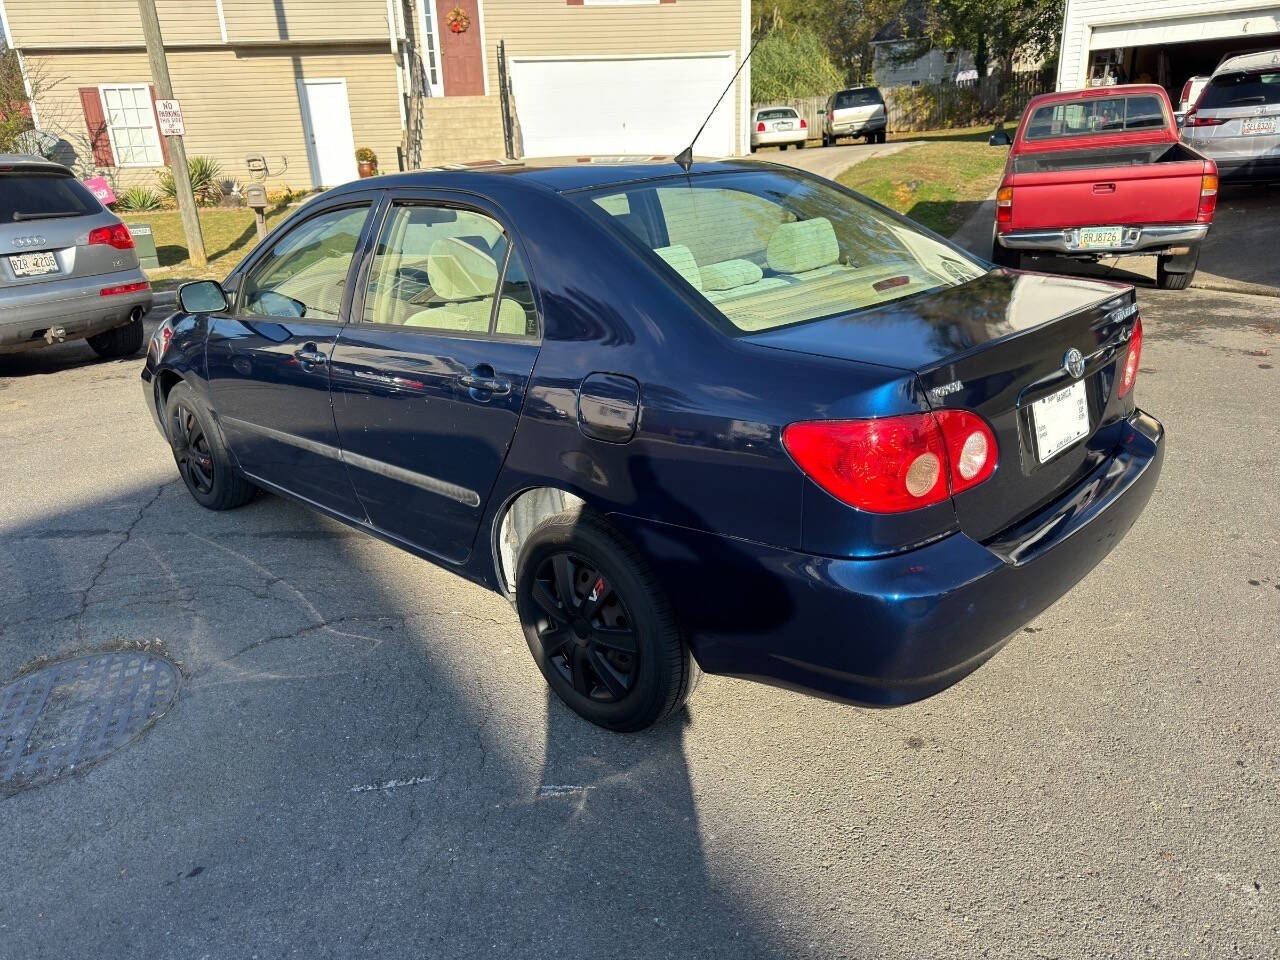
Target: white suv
(1236, 121)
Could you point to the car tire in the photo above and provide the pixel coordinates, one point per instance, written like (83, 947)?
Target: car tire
(598, 625)
(801, 145)
(1184, 270)
(782, 146)
(118, 342)
(826, 141)
(203, 462)
(1004, 257)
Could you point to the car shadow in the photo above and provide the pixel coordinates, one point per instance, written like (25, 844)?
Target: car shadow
(70, 355)
(943, 218)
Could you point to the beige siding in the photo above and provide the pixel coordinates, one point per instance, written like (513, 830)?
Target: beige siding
(236, 103)
(255, 21)
(105, 23)
(548, 28)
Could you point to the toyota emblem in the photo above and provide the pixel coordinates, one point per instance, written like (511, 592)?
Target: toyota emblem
(1073, 363)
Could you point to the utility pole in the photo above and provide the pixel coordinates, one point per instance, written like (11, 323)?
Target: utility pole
(177, 151)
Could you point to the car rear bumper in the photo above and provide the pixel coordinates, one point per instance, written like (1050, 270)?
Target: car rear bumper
(855, 128)
(35, 315)
(772, 138)
(1136, 239)
(1252, 169)
(892, 630)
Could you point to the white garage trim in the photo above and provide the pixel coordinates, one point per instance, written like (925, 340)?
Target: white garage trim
(1184, 29)
(689, 108)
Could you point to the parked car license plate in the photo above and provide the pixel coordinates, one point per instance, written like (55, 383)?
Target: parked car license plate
(1093, 237)
(1060, 419)
(1256, 125)
(783, 125)
(33, 264)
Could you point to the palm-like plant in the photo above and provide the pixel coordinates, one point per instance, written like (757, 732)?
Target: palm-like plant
(138, 198)
(206, 181)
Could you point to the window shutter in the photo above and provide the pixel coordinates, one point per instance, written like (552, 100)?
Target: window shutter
(96, 123)
(164, 141)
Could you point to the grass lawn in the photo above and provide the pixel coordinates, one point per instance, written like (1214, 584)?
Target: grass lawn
(939, 183)
(228, 236)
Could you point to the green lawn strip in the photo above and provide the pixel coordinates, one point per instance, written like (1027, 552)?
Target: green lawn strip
(228, 236)
(939, 183)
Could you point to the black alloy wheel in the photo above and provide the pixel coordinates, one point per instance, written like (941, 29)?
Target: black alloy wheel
(206, 467)
(586, 631)
(191, 450)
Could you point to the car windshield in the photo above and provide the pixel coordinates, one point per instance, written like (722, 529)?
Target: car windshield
(1079, 118)
(856, 98)
(773, 248)
(1241, 90)
(779, 114)
(35, 195)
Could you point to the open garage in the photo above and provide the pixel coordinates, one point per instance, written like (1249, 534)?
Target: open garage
(1159, 41)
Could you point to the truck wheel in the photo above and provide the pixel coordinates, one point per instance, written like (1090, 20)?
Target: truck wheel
(1175, 273)
(120, 342)
(882, 136)
(598, 625)
(1003, 256)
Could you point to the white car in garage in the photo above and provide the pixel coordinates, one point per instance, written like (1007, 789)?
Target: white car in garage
(778, 127)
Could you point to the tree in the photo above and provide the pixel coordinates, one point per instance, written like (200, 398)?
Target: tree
(791, 62)
(843, 27)
(995, 31)
(15, 110)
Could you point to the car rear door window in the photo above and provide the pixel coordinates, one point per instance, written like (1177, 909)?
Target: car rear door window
(31, 195)
(1241, 90)
(304, 275)
(779, 114)
(438, 267)
(847, 99)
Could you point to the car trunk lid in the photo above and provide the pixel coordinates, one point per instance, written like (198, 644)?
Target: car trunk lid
(995, 346)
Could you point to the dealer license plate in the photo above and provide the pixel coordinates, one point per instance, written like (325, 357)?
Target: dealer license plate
(1253, 126)
(33, 264)
(1094, 237)
(1060, 419)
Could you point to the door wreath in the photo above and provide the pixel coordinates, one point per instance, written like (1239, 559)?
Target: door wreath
(458, 20)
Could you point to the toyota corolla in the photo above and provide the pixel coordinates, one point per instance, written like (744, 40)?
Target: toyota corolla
(736, 418)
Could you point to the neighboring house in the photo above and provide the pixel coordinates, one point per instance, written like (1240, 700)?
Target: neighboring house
(1159, 41)
(893, 64)
(285, 90)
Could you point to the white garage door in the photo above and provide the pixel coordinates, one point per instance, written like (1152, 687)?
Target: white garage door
(1242, 25)
(591, 107)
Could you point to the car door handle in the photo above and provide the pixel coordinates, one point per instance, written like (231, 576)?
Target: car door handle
(1104, 188)
(309, 354)
(483, 380)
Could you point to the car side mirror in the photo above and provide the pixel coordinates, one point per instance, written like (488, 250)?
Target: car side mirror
(822, 113)
(202, 296)
(999, 137)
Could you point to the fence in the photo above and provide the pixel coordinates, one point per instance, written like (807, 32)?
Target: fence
(941, 105)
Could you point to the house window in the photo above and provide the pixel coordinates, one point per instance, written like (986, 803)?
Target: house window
(131, 125)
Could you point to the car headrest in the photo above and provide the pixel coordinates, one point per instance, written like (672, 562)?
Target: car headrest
(459, 271)
(802, 245)
(680, 259)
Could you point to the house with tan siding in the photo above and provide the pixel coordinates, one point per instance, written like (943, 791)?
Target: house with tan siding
(284, 91)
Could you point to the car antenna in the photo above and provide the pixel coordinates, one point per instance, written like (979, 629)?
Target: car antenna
(685, 156)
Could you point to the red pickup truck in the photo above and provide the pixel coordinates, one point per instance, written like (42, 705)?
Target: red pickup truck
(1101, 172)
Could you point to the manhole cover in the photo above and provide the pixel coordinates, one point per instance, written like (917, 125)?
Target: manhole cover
(77, 711)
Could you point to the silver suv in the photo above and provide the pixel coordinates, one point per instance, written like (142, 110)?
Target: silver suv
(68, 267)
(1236, 121)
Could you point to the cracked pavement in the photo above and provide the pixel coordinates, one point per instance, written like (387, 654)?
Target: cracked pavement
(364, 760)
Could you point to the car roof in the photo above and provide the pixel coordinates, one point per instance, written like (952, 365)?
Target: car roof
(29, 161)
(856, 89)
(1249, 61)
(775, 106)
(558, 174)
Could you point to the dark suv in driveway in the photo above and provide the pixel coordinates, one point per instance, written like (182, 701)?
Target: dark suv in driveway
(68, 267)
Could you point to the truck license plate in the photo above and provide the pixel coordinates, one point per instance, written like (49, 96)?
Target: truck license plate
(1060, 419)
(32, 264)
(1095, 237)
(1258, 125)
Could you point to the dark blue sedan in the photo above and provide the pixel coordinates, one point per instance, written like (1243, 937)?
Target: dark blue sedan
(739, 418)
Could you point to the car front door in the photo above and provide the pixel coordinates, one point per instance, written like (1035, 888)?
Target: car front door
(429, 378)
(269, 357)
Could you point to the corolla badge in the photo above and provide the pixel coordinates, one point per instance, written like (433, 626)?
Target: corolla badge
(1073, 363)
(33, 241)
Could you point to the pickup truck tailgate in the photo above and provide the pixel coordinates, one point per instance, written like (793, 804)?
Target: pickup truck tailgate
(1052, 191)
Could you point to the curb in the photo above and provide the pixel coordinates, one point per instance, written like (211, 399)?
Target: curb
(1222, 285)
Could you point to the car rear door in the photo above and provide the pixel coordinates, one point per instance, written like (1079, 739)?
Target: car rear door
(429, 379)
(268, 359)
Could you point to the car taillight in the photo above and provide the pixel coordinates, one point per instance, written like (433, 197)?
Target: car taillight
(1004, 205)
(1129, 374)
(1186, 92)
(1208, 194)
(803, 125)
(1193, 119)
(124, 288)
(117, 235)
(894, 464)
(760, 127)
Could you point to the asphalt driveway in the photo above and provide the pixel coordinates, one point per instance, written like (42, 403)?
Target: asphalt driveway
(363, 760)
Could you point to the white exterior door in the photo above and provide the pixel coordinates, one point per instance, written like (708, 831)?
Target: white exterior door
(624, 105)
(326, 117)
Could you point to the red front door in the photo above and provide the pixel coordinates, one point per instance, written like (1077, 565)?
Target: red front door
(461, 54)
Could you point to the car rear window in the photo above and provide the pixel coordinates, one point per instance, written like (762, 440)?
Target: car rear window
(773, 248)
(857, 98)
(1241, 90)
(1093, 115)
(31, 195)
(779, 114)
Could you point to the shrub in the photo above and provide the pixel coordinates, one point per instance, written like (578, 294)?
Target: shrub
(206, 181)
(366, 155)
(789, 64)
(138, 198)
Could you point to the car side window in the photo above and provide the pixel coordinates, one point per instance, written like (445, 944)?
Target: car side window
(438, 268)
(305, 272)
